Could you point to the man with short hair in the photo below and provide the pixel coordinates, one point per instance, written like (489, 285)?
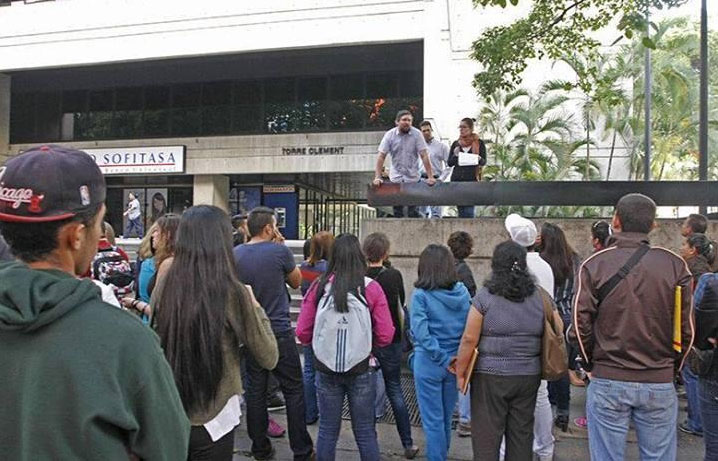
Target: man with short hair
(623, 323)
(694, 224)
(134, 216)
(406, 145)
(81, 379)
(267, 266)
(523, 232)
(438, 156)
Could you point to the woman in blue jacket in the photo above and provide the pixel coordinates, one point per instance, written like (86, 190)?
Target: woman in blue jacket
(439, 307)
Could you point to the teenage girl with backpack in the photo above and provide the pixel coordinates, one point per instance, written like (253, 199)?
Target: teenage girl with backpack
(351, 315)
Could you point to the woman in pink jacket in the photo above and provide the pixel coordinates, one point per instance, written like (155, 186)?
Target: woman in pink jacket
(344, 314)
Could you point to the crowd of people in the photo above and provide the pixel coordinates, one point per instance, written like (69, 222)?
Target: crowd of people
(162, 359)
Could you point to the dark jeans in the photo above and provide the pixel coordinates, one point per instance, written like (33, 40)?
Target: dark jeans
(310, 385)
(201, 447)
(412, 212)
(289, 374)
(466, 211)
(360, 391)
(708, 396)
(136, 225)
(389, 358)
(506, 407)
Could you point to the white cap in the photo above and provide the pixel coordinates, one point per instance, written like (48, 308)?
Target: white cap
(522, 230)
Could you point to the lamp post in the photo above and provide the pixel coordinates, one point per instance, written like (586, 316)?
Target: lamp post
(647, 87)
(703, 97)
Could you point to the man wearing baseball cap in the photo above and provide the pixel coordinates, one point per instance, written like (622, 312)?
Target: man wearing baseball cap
(523, 232)
(80, 378)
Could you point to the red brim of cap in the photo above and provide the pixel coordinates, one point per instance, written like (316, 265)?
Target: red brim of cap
(29, 219)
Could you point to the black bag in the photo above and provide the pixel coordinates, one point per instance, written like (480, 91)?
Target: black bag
(605, 289)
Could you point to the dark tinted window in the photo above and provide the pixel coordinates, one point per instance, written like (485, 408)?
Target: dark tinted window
(279, 90)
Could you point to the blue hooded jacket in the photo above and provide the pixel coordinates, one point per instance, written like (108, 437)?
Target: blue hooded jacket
(438, 318)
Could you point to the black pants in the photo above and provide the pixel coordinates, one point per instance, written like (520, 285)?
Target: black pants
(289, 374)
(503, 405)
(411, 212)
(201, 447)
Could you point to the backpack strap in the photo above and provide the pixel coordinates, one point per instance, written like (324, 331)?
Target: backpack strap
(605, 289)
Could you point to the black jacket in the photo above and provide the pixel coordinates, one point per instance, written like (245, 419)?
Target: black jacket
(465, 173)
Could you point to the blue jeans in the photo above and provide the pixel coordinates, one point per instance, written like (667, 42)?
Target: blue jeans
(708, 395)
(466, 211)
(310, 385)
(653, 407)
(432, 212)
(690, 382)
(379, 394)
(465, 407)
(136, 225)
(436, 393)
(360, 391)
(389, 358)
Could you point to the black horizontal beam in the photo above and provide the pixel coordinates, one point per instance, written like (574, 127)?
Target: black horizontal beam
(541, 193)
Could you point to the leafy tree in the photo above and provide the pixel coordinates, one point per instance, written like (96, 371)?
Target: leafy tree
(553, 29)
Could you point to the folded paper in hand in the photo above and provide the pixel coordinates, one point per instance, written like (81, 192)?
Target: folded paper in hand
(467, 159)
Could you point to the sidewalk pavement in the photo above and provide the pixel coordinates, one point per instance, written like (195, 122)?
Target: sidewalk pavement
(569, 446)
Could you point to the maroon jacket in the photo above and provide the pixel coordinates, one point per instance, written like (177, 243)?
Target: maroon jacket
(629, 337)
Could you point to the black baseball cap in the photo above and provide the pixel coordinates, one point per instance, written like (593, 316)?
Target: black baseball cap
(49, 183)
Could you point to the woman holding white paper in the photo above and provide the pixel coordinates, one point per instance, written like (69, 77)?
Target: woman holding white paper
(467, 155)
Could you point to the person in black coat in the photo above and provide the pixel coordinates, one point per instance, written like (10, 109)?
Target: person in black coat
(470, 143)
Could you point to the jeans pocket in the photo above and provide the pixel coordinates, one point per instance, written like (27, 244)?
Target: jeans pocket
(606, 398)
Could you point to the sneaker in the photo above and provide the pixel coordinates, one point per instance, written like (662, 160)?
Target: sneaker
(581, 422)
(561, 422)
(274, 429)
(275, 403)
(463, 430)
(685, 429)
(266, 457)
(411, 452)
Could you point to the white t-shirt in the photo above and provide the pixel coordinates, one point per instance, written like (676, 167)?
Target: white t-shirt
(133, 209)
(540, 269)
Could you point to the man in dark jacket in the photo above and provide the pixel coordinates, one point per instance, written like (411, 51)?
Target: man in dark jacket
(627, 338)
(81, 379)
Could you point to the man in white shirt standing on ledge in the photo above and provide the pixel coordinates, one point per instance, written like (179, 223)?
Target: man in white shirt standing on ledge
(438, 156)
(134, 221)
(406, 145)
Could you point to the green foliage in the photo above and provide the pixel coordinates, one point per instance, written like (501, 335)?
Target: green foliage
(554, 29)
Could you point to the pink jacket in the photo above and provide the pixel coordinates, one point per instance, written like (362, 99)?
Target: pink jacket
(378, 307)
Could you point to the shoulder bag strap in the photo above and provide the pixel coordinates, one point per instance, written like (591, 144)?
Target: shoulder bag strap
(605, 289)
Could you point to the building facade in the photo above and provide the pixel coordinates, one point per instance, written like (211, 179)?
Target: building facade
(279, 103)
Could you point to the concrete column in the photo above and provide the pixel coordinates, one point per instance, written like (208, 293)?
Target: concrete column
(212, 190)
(4, 117)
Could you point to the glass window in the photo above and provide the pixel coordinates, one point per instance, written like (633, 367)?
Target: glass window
(47, 115)
(217, 93)
(279, 90)
(99, 119)
(186, 121)
(127, 120)
(312, 89)
(157, 114)
(74, 101)
(411, 84)
(349, 86)
(382, 85)
(248, 92)
(187, 95)
(247, 119)
(22, 120)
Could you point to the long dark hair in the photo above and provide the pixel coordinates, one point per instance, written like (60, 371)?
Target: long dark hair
(437, 270)
(348, 266)
(703, 245)
(191, 306)
(510, 277)
(557, 252)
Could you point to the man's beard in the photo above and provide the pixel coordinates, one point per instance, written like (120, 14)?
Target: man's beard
(404, 129)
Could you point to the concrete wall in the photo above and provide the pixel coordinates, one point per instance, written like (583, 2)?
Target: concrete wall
(257, 153)
(409, 237)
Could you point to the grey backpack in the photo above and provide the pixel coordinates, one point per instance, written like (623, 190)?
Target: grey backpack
(342, 340)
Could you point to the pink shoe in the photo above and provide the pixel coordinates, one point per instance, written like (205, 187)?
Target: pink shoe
(581, 422)
(274, 429)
